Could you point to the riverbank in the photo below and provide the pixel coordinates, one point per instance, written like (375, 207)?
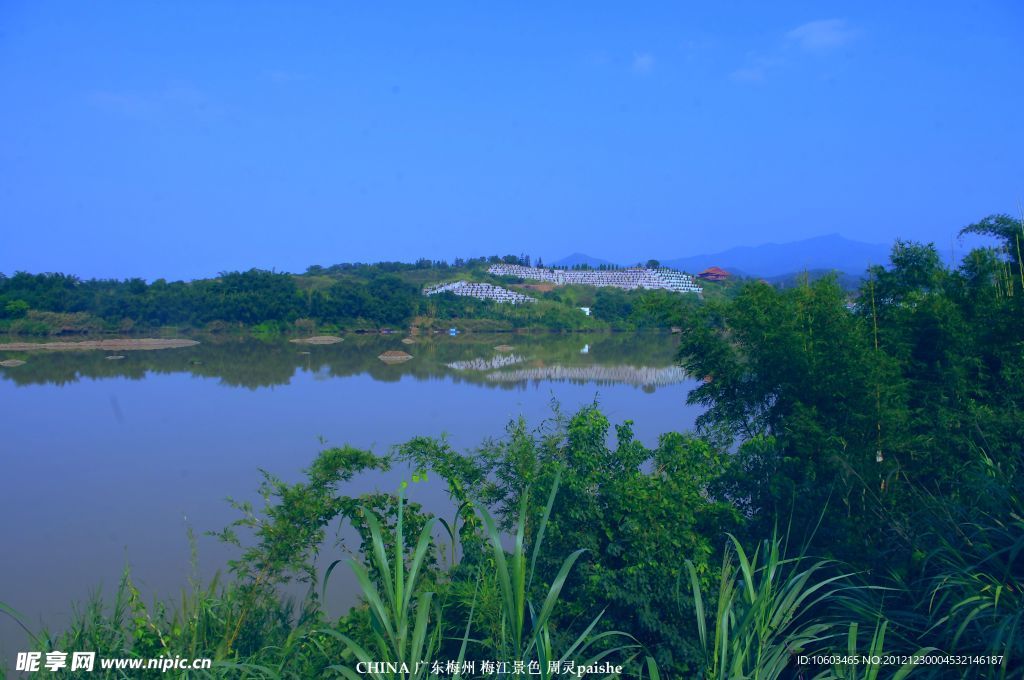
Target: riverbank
(120, 344)
(367, 299)
(172, 336)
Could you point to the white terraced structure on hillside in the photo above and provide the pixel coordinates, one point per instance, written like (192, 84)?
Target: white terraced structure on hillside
(481, 291)
(662, 279)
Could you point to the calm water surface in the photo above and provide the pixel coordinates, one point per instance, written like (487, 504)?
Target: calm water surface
(107, 462)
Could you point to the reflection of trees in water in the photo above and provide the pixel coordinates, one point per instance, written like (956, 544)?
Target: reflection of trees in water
(254, 364)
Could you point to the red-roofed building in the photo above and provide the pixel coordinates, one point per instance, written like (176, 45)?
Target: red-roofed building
(714, 274)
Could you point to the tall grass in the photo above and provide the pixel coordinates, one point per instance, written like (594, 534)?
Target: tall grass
(976, 593)
(406, 620)
(875, 654)
(530, 640)
(763, 612)
(402, 631)
(195, 626)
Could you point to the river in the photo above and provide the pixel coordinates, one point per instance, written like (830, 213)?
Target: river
(107, 462)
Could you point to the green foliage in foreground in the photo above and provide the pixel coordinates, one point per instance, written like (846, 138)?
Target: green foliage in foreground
(750, 615)
(401, 618)
(761, 616)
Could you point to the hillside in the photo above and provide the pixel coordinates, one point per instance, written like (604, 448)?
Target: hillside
(344, 297)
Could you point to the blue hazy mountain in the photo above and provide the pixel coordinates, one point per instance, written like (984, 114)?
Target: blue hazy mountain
(831, 252)
(846, 280)
(579, 258)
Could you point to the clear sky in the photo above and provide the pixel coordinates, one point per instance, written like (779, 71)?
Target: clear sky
(178, 139)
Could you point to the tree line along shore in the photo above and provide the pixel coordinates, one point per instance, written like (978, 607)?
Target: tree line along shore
(327, 300)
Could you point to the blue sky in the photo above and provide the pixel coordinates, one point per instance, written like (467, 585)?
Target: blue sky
(179, 139)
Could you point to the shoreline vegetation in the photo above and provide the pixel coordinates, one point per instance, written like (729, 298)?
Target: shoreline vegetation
(346, 298)
(854, 487)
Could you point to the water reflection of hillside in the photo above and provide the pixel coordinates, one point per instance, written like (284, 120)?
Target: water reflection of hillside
(646, 360)
(639, 376)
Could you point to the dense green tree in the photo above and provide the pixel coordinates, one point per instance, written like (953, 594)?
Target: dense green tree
(859, 408)
(793, 372)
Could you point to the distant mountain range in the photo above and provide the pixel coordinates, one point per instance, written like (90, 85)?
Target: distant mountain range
(846, 280)
(776, 259)
(771, 260)
(579, 258)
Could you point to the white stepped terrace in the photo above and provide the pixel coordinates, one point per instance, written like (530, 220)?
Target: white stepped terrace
(481, 291)
(630, 279)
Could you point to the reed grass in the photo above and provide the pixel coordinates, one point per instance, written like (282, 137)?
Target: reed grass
(400, 609)
(763, 611)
